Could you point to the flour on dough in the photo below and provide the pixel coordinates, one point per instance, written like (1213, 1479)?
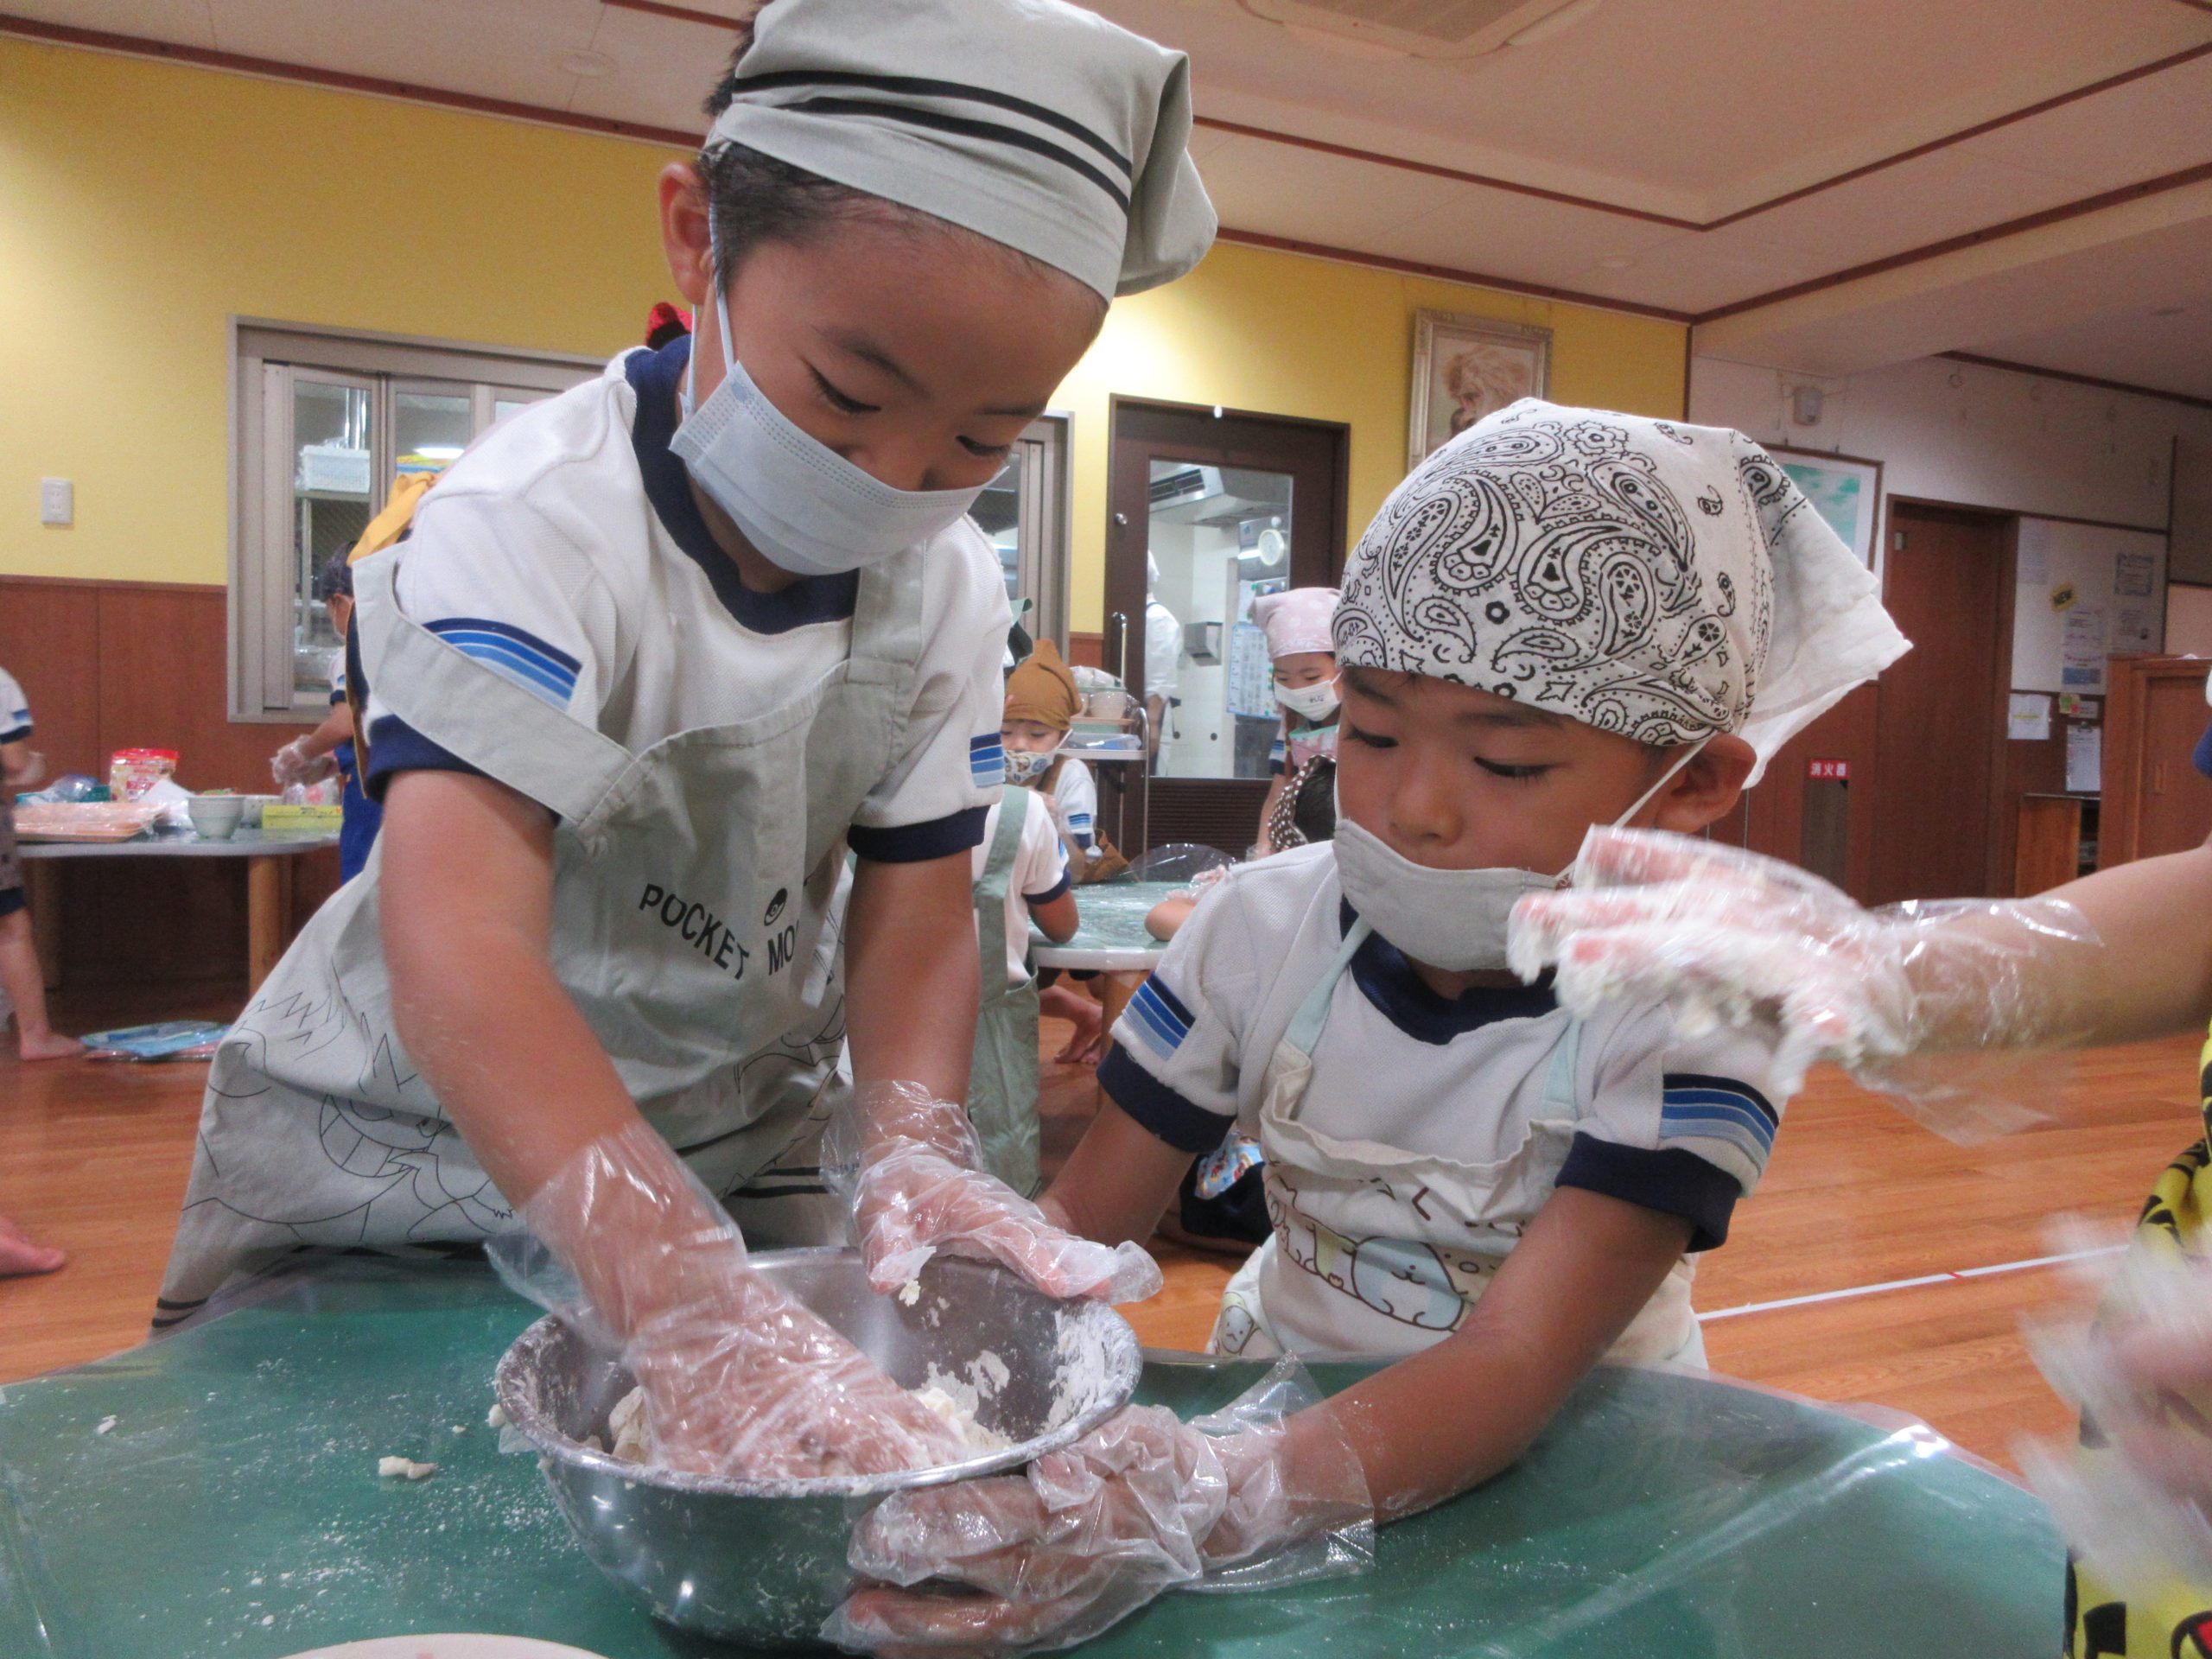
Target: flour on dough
(398, 1468)
(633, 1435)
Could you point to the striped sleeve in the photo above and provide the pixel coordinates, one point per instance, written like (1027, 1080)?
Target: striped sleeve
(514, 653)
(1176, 1064)
(14, 711)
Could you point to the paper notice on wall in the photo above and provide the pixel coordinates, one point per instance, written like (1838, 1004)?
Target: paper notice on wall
(2027, 717)
(2131, 628)
(2133, 575)
(2033, 556)
(2074, 706)
(2084, 759)
(2082, 646)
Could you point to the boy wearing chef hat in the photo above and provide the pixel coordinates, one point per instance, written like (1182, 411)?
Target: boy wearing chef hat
(1303, 763)
(1563, 618)
(683, 699)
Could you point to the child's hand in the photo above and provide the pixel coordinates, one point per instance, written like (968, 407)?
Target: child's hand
(1722, 936)
(747, 1382)
(919, 1190)
(1087, 1536)
(293, 764)
(739, 1378)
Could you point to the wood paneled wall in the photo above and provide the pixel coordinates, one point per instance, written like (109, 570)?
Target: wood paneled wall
(1771, 819)
(114, 665)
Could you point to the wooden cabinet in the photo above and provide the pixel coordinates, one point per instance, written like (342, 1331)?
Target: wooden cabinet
(2155, 800)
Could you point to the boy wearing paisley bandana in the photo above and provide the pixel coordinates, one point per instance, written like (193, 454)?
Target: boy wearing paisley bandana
(1563, 618)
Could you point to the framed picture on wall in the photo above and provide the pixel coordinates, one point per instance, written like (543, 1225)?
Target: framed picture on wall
(1467, 367)
(1845, 489)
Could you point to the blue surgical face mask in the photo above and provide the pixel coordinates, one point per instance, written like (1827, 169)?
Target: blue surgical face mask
(805, 508)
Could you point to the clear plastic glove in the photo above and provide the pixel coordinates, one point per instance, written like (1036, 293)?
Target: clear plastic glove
(913, 1166)
(1918, 1000)
(2140, 1507)
(1086, 1537)
(293, 764)
(739, 1379)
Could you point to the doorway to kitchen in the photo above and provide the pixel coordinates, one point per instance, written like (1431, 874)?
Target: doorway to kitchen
(1206, 510)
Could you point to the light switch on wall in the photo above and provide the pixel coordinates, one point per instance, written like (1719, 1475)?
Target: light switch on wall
(57, 501)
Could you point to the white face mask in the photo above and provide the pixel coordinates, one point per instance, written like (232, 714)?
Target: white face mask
(1316, 702)
(805, 508)
(1453, 919)
(1024, 765)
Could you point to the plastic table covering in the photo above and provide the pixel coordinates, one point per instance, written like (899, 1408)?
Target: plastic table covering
(233, 1509)
(1111, 935)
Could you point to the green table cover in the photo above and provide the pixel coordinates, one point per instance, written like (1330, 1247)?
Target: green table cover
(233, 1507)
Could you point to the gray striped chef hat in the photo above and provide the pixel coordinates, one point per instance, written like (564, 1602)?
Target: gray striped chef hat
(1033, 123)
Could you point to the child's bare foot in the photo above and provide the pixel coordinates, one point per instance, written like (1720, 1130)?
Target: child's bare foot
(18, 1255)
(1085, 1043)
(48, 1045)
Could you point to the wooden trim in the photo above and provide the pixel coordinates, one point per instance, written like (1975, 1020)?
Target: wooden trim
(2172, 61)
(2026, 512)
(1487, 181)
(109, 585)
(2182, 397)
(2139, 191)
(1434, 170)
(94, 40)
(679, 14)
(1449, 274)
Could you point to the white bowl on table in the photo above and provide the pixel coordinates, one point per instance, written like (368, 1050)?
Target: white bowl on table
(216, 817)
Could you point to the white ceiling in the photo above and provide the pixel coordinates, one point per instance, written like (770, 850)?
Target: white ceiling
(1690, 111)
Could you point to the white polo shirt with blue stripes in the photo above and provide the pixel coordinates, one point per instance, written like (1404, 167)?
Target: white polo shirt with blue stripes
(566, 551)
(1680, 1125)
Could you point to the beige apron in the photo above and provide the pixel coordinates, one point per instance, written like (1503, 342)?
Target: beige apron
(1002, 1077)
(697, 902)
(1392, 1271)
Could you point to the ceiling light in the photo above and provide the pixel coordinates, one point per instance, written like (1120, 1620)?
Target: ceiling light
(1346, 45)
(590, 66)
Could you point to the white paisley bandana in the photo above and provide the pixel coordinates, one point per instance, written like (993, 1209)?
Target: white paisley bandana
(1660, 581)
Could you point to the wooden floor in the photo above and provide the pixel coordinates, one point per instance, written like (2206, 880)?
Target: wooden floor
(93, 1159)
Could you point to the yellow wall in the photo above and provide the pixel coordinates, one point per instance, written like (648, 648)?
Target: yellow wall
(1282, 335)
(142, 204)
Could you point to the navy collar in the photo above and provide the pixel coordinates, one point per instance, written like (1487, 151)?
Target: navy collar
(1407, 1002)
(655, 375)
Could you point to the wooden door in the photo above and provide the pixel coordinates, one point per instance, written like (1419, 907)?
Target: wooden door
(2154, 800)
(1940, 713)
(1221, 503)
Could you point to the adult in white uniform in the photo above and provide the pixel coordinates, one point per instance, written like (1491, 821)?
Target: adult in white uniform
(1163, 660)
(658, 653)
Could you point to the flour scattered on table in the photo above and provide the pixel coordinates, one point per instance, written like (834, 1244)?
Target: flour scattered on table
(107, 1426)
(497, 1417)
(403, 1468)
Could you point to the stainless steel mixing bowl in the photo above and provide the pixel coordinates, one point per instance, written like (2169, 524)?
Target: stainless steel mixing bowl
(763, 1561)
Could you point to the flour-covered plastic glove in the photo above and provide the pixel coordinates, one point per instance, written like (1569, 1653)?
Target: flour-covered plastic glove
(293, 764)
(740, 1379)
(1085, 1536)
(1930, 1002)
(2139, 1505)
(913, 1166)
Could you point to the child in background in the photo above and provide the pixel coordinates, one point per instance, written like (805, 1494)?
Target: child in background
(21, 975)
(1022, 875)
(1042, 701)
(1563, 619)
(1300, 805)
(330, 747)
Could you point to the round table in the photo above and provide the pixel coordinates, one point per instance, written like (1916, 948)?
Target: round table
(268, 882)
(1111, 940)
